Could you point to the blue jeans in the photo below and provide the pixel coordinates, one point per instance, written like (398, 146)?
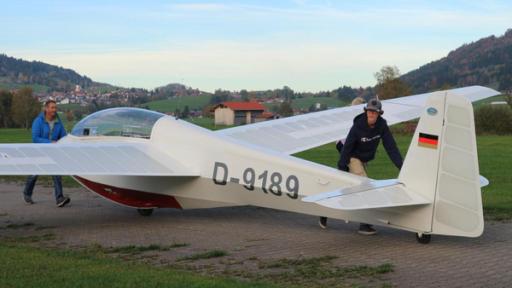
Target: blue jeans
(31, 182)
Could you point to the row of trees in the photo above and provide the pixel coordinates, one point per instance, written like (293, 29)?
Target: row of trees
(389, 85)
(27, 73)
(18, 109)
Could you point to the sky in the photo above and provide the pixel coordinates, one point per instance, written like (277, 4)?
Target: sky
(306, 45)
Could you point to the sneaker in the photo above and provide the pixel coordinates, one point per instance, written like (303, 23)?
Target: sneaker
(63, 201)
(323, 222)
(366, 229)
(28, 199)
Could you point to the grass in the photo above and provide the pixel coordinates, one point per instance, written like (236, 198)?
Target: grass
(24, 266)
(170, 105)
(206, 122)
(18, 226)
(319, 272)
(133, 249)
(20, 240)
(198, 102)
(36, 88)
(204, 255)
(70, 106)
(495, 160)
(15, 135)
(494, 153)
(490, 100)
(305, 103)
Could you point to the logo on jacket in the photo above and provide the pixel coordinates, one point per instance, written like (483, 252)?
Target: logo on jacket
(369, 139)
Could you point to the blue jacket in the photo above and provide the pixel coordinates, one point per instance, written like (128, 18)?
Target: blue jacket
(41, 130)
(362, 142)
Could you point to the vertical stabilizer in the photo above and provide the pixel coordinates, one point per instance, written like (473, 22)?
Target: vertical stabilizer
(442, 166)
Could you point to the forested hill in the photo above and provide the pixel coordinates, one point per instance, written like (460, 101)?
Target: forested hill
(487, 61)
(17, 72)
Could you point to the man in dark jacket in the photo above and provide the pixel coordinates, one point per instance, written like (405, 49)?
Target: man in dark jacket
(360, 147)
(47, 128)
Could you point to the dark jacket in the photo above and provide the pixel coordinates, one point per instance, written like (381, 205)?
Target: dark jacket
(362, 142)
(41, 130)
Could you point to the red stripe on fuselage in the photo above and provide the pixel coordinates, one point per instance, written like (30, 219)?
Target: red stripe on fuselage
(128, 197)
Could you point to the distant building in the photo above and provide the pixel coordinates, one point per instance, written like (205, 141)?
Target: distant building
(265, 116)
(237, 113)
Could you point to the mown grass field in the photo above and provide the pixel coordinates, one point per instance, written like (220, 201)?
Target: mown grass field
(305, 103)
(198, 102)
(170, 105)
(24, 266)
(495, 159)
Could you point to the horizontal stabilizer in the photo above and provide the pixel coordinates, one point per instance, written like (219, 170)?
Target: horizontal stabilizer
(129, 159)
(371, 195)
(483, 181)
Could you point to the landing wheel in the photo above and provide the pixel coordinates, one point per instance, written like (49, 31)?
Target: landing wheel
(423, 238)
(145, 212)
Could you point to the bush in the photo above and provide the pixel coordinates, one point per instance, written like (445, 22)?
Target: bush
(493, 119)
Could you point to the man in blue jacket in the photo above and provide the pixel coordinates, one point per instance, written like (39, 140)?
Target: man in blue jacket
(360, 147)
(47, 128)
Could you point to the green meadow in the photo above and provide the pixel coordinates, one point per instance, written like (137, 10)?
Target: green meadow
(25, 266)
(170, 105)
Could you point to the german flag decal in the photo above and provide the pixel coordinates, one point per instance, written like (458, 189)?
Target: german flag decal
(428, 140)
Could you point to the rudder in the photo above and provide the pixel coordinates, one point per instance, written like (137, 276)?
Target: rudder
(442, 166)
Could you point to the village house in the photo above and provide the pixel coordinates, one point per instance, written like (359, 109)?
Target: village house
(237, 113)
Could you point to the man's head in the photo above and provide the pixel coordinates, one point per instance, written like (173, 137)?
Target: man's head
(373, 110)
(50, 109)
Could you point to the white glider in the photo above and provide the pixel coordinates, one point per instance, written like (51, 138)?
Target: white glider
(147, 160)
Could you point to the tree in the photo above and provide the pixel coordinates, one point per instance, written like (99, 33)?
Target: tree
(345, 93)
(285, 109)
(77, 114)
(69, 116)
(185, 113)
(220, 96)
(5, 109)
(286, 93)
(24, 107)
(244, 95)
(389, 84)
(508, 98)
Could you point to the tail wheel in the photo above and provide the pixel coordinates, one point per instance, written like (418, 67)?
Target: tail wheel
(145, 212)
(423, 238)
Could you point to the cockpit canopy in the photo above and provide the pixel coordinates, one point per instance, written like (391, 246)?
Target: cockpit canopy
(127, 122)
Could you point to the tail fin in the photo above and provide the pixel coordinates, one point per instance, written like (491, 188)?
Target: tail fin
(442, 166)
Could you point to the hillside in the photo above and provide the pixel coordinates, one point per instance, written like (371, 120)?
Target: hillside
(42, 77)
(487, 62)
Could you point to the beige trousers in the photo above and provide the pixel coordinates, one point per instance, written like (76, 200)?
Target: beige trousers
(357, 167)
